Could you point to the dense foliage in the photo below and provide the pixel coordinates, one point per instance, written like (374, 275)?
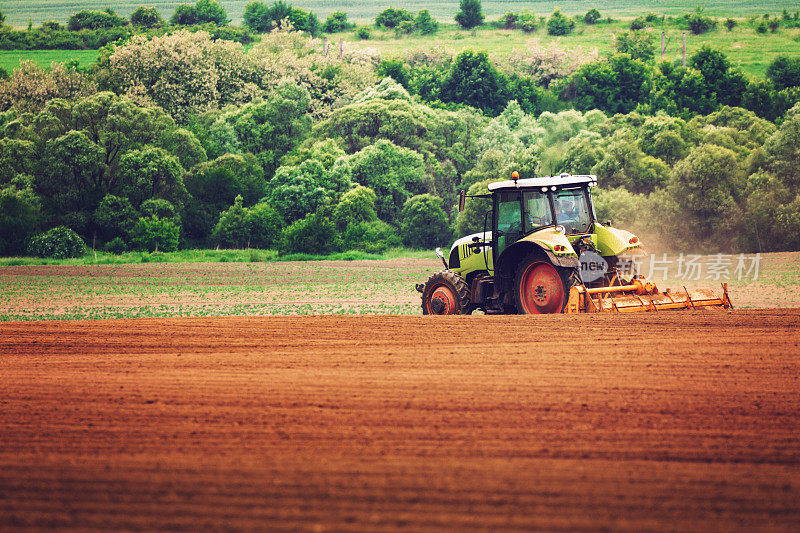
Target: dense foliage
(178, 137)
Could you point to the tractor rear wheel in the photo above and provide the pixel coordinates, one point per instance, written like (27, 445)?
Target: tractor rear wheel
(541, 288)
(445, 293)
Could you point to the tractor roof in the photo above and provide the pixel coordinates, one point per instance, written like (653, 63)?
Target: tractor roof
(548, 181)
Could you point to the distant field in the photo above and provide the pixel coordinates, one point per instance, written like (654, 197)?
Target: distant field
(19, 12)
(9, 59)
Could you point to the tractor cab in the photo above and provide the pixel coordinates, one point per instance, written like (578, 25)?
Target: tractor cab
(524, 207)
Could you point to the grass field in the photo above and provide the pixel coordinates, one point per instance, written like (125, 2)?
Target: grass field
(748, 50)
(10, 59)
(20, 12)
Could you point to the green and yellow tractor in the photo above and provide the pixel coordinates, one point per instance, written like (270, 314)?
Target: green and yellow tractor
(546, 253)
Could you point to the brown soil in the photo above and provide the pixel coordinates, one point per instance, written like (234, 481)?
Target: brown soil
(669, 421)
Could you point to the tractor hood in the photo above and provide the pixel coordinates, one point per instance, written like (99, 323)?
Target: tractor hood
(614, 241)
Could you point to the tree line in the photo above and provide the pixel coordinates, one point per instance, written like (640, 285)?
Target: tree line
(183, 140)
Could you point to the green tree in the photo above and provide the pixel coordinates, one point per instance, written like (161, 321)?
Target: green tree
(394, 173)
(592, 16)
(783, 150)
(336, 22)
(707, 185)
(391, 18)
(269, 129)
(616, 85)
(114, 217)
(425, 23)
(424, 222)
(470, 14)
(726, 83)
(314, 234)
(264, 225)
(297, 191)
(20, 217)
(357, 205)
(184, 145)
(147, 17)
(231, 230)
(559, 23)
(211, 11)
(682, 91)
(71, 181)
(473, 80)
(155, 234)
(257, 17)
(151, 173)
(394, 68)
(784, 72)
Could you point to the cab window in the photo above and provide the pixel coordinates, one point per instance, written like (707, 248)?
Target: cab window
(537, 210)
(572, 210)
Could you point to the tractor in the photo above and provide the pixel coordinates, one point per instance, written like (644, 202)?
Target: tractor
(545, 253)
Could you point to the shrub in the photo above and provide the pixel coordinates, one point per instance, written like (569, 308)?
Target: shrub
(57, 243)
(559, 24)
(336, 22)
(784, 72)
(391, 18)
(373, 237)
(147, 17)
(638, 24)
(699, 23)
(257, 17)
(470, 15)
(425, 23)
(264, 225)
(363, 34)
(155, 234)
(592, 16)
(95, 20)
(638, 45)
(424, 223)
(116, 246)
(202, 11)
(730, 24)
(773, 25)
(314, 234)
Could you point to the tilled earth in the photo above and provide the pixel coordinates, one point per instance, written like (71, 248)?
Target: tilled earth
(652, 421)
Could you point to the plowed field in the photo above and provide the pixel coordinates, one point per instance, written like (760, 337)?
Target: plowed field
(655, 421)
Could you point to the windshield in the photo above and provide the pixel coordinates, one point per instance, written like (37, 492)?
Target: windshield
(572, 210)
(537, 210)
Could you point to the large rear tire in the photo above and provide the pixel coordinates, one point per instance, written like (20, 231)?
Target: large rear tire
(541, 288)
(445, 293)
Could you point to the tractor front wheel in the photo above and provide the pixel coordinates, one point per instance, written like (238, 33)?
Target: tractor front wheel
(445, 293)
(541, 288)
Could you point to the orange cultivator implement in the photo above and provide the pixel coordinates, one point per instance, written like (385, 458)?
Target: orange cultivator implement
(642, 295)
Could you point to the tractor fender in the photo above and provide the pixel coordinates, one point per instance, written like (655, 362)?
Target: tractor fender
(512, 256)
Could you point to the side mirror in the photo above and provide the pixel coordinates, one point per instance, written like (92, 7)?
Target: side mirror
(462, 197)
